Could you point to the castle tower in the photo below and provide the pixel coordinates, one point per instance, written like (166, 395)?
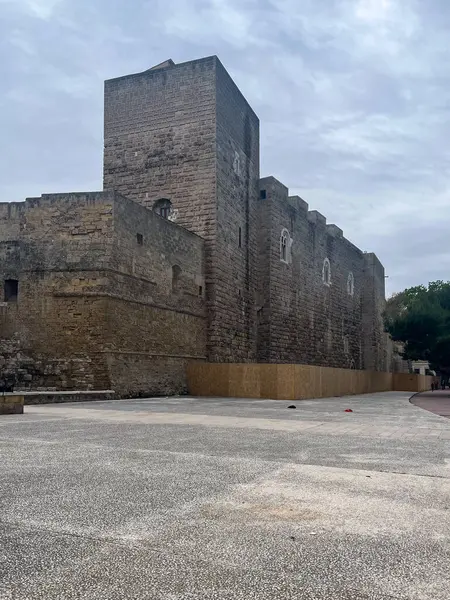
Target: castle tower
(183, 141)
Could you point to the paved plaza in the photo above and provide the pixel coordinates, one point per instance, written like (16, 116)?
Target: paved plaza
(186, 499)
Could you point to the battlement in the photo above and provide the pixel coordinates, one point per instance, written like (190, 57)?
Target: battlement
(334, 231)
(275, 192)
(299, 204)
(314, 216)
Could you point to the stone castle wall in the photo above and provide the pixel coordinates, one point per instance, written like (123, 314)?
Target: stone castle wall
(233, 331)
(90, 291)
(377, 350)
(60, 244)
(113, 295)
(160, 132)
(185, 133)
(160, 142)
(156, 305)
(306, 318)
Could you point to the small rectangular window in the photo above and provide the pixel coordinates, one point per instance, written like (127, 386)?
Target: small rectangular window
(346, 344)
(240, 237)
(200, 290)
(11, 290)
(262, 194)
(139, 239)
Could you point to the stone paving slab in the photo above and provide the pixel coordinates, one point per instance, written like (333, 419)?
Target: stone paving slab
(201, 499)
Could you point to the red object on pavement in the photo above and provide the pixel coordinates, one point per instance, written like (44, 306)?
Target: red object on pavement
(348, 410)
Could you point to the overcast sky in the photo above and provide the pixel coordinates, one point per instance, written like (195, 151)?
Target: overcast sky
(353, 97)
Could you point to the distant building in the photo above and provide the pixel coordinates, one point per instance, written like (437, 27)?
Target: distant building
(400, 365)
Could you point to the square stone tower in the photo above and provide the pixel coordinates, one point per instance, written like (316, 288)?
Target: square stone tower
(182, 140)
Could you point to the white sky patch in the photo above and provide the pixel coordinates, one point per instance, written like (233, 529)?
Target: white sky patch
(42, 9)
(373, 10)
(219, 19)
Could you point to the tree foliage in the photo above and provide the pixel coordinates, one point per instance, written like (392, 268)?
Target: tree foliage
(420, 318)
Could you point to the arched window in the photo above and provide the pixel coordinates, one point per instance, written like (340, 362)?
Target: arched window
(350, 284)
(163, 207)
(285, 246)
(176, 274)
(326, 272)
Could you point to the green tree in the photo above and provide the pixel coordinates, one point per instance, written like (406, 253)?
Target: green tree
(420, 318)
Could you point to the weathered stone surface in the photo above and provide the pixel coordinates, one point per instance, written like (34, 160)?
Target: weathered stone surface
(11, 404)
(96, 310)
(110, 295)
(186, 133)
(304, 319)
(61, 397)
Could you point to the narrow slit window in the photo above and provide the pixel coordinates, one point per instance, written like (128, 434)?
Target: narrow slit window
(11, 290)
(346, 344)
(283, 248)
(240, 237)
(139, 239)
(176, 275)
(237, 163)
(350, 284)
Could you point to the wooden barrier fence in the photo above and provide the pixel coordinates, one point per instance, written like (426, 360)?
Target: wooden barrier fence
(294, 382)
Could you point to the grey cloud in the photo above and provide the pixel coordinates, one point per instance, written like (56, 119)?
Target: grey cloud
(353, 97)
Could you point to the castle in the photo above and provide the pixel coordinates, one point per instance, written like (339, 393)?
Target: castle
(187, 255)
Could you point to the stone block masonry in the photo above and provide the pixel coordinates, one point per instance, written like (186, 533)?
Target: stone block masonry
(96, 286)
(11, 404)
(186, 256)
(320, 298)
(186, 134)
(234, 330)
